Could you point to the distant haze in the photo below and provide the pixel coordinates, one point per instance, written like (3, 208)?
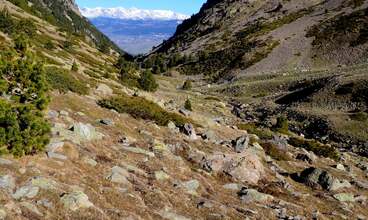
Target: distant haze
(136, 31)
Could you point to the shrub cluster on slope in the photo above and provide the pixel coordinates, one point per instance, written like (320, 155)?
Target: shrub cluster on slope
(64, 81)
(139, 107)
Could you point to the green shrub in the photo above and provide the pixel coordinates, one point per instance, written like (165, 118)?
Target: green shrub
(63, 81)
(23, 129)
(187, 85)
(275, 152)
(21, 43)
(316, 147)
(147, 81)
(188, 105)
(253, 129)
(49, 45)
(25, 80)
(141, 108)
(75, 67)
(282, 125)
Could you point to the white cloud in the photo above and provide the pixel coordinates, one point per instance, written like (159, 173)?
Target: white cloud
(132, 13)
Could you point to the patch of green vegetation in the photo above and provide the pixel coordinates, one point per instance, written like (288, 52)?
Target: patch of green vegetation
(254, 129)
(14, 27)
(351, 28)
(282, 125)
(275, 152)
(64, 81)
(213, 98)
(316, 147)
(139, 107)
(23, 130)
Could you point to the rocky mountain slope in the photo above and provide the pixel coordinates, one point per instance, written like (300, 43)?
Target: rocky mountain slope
(236, 38)
(80, 139)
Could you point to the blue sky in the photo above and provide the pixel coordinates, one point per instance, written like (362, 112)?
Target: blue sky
(188, 7)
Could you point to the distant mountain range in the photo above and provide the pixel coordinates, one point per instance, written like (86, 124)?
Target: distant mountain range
(135, 30)
(136, 36)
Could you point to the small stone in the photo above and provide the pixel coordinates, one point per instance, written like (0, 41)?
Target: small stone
(107, 122)
(161, 175)
(344, 197)
(171, 125)
(31, 208)
(64, 113)
(190, 131)
(52, 114)
(56, 156)
(241, 143)
(54, 146)
(104, 90)
(252, 195)
(209, 136)
(22, 170)
(137, 150)
(232, 186)
(159, 146)
(76, 200)
(7, 182)
(89, 161)
(119, 175)
(26, 191)
(5, 162)
(191, 186)
(3, 214)
(340, 167)
(45, 203)
(184, 112)
(43, 183)
(165, 214)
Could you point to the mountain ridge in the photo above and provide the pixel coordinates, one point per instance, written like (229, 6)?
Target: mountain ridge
(132, 13)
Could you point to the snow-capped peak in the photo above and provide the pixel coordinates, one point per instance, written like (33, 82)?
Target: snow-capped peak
(132, 13)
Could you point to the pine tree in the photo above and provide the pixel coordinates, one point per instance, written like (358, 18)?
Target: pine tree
(147, 81)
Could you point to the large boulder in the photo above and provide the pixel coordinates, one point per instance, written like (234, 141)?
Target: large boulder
(317, 178)
(103, 90)
(245, 167)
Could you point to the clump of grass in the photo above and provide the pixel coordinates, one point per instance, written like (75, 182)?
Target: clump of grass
(360, 116)
(213, 98)
(187, 85)
(63, 81)
(275, 152)
(254, 129)
(139, 107)
(316, 147)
